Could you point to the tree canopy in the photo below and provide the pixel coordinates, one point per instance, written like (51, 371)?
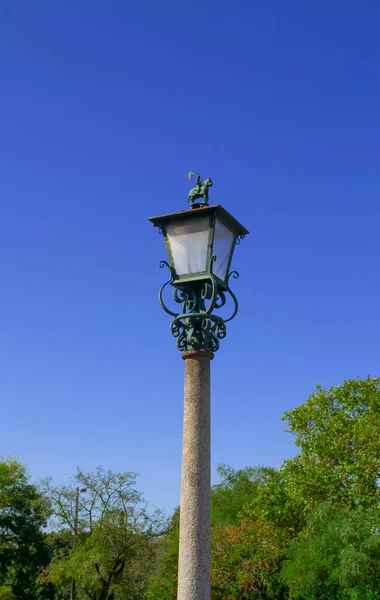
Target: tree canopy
(23, 549)
(336, 556)
(113, 534)
(338, 433)
(309, 530)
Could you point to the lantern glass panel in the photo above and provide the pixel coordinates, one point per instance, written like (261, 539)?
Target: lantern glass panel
(223, 244)
(188, 245)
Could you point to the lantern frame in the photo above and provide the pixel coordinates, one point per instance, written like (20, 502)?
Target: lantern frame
(200, 293)
(212, 214)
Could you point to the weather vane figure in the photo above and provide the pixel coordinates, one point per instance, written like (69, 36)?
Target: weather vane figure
(200, 191)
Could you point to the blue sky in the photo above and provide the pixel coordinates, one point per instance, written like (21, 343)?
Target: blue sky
(105, 107)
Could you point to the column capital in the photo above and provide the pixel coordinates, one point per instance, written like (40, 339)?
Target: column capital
(197, 354)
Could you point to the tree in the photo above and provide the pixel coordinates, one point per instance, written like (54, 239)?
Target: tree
(111, 532)
(337, 556)
(258, 512)
(6, 593)
(235, 490)
(338, 432)
(59, 543)
(246, 560)
(23, 550)
(274, 504)
(164, 579)
(236, 552)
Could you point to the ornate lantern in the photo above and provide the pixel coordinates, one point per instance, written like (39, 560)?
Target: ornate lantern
(200, 243)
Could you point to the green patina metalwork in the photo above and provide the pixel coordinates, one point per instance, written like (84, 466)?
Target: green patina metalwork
(212, 214)
(195, 326)
(200, 191)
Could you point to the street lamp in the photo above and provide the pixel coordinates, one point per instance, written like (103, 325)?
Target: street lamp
(200, 243)
(76, 524)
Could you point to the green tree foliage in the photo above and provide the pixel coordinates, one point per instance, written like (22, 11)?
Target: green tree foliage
(308, 531)
(246, 548)
(338, 433)
(23, 550)
(274, 504)
(163, 582)
(59, 543)
(111, 554)
(6, 593)
(235, 490)
(234, 548)
(337, 556)
(246, 559)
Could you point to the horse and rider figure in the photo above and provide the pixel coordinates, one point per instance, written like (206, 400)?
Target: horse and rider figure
(201, 189)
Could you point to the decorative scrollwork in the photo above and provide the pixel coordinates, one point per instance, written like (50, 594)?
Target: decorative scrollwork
(163, 264)
(187, 296)
(221, 299)
(198, 332)
(213, 294)
(239, 238)
(235, 275)
(196, 327)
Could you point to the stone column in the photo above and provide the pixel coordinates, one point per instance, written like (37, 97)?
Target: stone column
(194, 542)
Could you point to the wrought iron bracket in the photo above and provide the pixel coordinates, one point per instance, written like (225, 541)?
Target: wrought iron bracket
(196, 327)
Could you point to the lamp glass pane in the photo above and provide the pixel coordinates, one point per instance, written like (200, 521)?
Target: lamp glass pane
(188, 244)
(223, 243)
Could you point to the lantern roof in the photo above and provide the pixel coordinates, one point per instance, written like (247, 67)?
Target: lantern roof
(202, 211)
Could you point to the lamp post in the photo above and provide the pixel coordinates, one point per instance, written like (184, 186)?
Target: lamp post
(76, 523)
(200, 243)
